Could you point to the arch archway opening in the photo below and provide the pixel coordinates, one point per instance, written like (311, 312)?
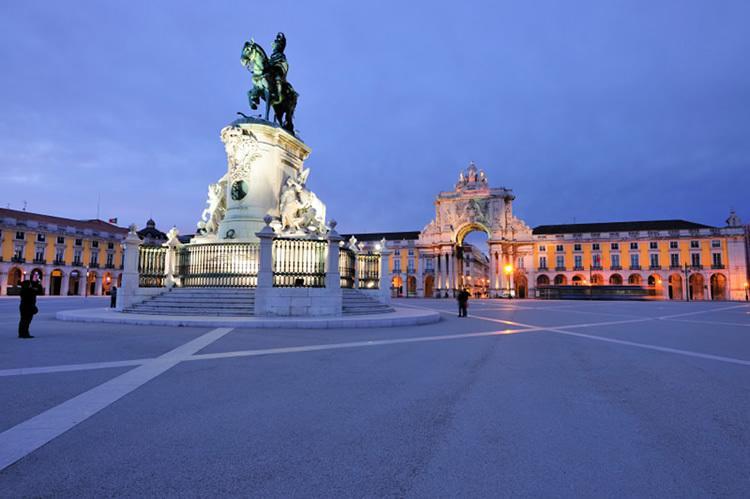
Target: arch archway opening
(615, 280)
(473, 260)
(675, 287)
(696, 285)
(718, 287)
(55, 282)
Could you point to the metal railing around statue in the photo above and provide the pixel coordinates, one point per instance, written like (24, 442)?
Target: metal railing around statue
(218, 265)
(369, 271)
(299, 263)
(151, 266)
(347, 267)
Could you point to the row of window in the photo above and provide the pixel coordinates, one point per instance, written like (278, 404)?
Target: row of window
(41, 238)
(635, 261)
(716, 243)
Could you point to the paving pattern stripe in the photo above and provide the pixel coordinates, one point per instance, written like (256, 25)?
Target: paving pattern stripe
(72, 367)
(721, 323)
(356, 344)
(689, 353)
(24, 438)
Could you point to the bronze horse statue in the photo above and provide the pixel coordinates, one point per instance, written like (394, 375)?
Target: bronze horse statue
(269, 82)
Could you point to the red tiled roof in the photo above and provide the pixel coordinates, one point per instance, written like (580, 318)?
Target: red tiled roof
(98, 225)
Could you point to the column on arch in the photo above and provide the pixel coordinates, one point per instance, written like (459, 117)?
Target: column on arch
(493, 271)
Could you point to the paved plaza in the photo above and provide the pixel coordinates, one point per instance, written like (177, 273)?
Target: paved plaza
(531, 398)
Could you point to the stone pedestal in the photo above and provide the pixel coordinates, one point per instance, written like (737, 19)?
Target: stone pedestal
(126, 294)
(260, 157)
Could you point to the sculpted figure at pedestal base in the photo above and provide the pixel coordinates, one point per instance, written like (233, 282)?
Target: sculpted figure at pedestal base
(217, 207)
(301, 210)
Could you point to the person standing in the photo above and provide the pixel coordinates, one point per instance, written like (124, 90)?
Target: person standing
(463, 302)
(113, 297)
(29, 290)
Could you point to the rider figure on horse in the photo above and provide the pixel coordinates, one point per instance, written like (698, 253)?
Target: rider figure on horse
(278, 68)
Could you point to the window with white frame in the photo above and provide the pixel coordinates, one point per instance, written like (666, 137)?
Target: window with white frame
(635, 261)
(674, 260)
(654, 260)
(716, 243)
(615, 260)
(634, 246)
(653, 245)
(578, 261)
(716, 259)
(595, 246)
(560, 261)
(577, 247)
(542, 262)
(673, 245)
(614, 246)
(695, 259)
(559, 248)
(597, 260)
(695, 244)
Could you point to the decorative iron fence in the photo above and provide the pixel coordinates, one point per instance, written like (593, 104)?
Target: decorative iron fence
(299, 263)
(151, 266)
(218, 265)
(347, 267)
(369, 271)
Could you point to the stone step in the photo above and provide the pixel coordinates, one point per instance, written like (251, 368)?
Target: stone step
(177, 306)
(201, 313)
(177, 299)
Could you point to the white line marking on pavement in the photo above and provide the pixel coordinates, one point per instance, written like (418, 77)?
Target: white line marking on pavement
(745, 324)
(26, 437)
(707, 311)
(678, 351)
(356, 344)
(72, 367)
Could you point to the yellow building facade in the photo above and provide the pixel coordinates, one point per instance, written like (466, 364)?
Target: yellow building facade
(672, 259)
(71, 257)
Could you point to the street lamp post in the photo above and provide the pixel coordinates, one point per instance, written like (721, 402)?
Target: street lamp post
(687, 282)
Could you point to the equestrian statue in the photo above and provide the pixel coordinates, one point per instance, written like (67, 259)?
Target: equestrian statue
(269, 81)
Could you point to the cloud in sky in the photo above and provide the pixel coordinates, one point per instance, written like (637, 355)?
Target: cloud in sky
(588, 110)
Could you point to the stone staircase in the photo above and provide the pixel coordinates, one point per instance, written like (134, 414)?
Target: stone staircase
(237, 302)
(358, 303)
(222, 302)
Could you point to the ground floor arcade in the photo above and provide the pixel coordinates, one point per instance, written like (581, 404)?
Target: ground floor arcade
(60, 280)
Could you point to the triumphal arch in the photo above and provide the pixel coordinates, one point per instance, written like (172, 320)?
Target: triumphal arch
(475, 206)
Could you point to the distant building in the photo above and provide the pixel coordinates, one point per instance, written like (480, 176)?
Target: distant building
(71, 257)
(151, 235)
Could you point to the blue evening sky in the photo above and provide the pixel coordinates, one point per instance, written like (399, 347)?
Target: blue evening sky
(594, 110)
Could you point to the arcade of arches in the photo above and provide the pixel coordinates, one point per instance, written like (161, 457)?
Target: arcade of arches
(61, 281)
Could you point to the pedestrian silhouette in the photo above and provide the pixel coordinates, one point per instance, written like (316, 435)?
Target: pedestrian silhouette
(29, 290)
(463, 302)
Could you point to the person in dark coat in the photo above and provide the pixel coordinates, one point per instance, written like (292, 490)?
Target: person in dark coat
(463, 302)
(29, 290)
(113, 297)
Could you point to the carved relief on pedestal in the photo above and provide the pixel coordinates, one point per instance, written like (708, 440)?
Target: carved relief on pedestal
(302, 213)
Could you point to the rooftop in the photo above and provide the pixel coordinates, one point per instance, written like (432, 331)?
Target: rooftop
(619, 227)
(94, 224)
